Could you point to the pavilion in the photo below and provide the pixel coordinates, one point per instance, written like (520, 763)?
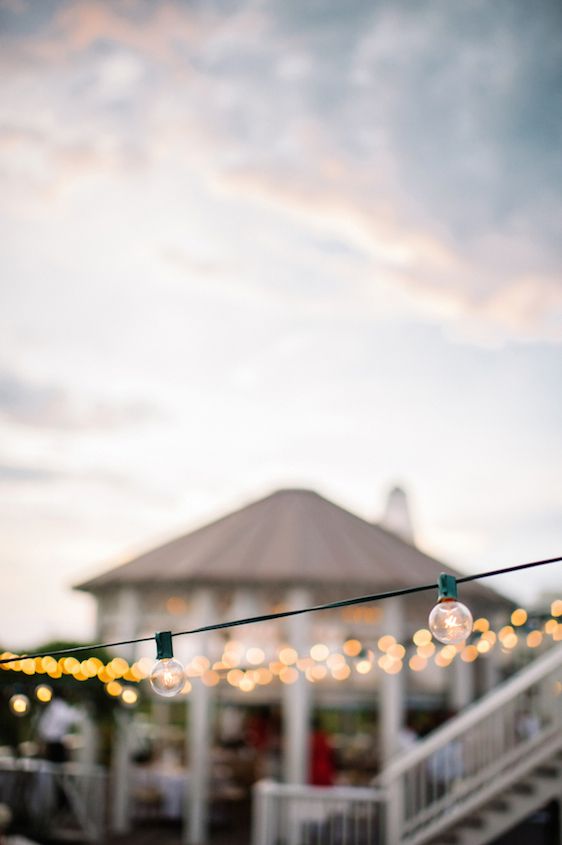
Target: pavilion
(291, 549)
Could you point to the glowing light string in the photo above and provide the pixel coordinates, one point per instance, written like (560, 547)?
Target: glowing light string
(268, 617)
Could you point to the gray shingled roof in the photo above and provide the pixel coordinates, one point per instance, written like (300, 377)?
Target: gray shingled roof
(289, 537)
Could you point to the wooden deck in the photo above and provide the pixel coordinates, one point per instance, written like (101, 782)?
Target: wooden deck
(232, 829)
(171, 835)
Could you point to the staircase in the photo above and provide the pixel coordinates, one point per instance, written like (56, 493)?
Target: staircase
(485, 771)
(468, 783)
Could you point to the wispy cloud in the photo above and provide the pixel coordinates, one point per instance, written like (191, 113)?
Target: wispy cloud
(29, 403)
(398, 131)
(15, 474)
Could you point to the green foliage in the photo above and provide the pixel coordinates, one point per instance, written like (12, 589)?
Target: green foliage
(90, 694)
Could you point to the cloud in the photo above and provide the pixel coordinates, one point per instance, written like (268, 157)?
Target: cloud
(397, 131)
(194, 266)
(29, 403)
(73, 478)
(15, 7)
(36, 168)
(12, 474)
(497, 282)
(75, 27)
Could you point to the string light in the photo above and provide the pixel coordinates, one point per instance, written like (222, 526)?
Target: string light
(364, 662)
(352, 648)
(43, 693)
(518, 617)
(19, 704)
(450, 621)
(169, 678)
(129, 696)
(556, 608)
(114, 689)
(200, 665)
(390, 662)
(168, 675)
(255, 656)
(312, 667)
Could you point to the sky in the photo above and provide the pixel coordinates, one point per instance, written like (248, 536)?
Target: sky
(249, 245)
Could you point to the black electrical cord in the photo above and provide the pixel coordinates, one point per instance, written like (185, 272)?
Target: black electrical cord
(218, 626)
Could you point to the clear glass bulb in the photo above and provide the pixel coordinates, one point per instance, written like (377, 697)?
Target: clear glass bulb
(450, 621)
(167, 677)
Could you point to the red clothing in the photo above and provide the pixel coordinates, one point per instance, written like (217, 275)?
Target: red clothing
(322, 762)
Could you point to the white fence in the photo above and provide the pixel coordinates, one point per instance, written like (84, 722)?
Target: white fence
(315, 815)
(54, 799)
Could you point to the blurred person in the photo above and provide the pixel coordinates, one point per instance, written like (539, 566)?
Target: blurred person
(407, 735)
(527, 725)
(55, 722)
(322, 769)
(231, 727)
(446, 766)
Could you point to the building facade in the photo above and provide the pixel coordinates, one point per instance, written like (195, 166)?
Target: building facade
(359, 666)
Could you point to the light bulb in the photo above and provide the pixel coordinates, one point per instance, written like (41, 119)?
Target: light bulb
(129, 696)
(19, 704)
(43, 693)
(450, 621)
(167, 677)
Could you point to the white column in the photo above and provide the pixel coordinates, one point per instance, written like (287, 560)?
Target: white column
(160, 719)
(198, 733)
(120, 772)
(245, 603)
(461, 690)
(392, 687)
(199, 769)
(126, 629)
(297, 698)
(88, 754)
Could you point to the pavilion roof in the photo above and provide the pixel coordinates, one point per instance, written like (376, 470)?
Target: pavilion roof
(289, 537)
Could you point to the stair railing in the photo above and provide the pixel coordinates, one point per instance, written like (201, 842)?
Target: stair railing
(475, 755)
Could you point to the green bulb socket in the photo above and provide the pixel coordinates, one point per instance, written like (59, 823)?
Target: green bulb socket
(447, 585)
(164, 648)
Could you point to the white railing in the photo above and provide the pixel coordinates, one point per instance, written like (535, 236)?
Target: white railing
(476, 755)
(35, 789)
(286, 814)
